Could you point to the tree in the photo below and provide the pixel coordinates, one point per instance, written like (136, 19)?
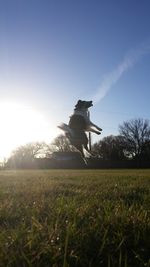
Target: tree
(110, 148)
(23, 156)
(62, 144)
(136, 133)
(145, 153)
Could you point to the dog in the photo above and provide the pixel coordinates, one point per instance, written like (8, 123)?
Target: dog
(78, 125)
(81, 119)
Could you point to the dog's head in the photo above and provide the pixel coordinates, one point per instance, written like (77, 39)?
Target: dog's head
(83, 104)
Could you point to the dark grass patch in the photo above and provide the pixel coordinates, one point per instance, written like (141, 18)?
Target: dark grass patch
(75, 218)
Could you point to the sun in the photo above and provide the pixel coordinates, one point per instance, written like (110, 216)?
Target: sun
(20, 125)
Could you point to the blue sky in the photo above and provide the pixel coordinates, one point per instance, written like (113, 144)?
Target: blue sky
(54, 52)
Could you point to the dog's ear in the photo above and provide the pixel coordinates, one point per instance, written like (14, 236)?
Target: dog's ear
(78, 104)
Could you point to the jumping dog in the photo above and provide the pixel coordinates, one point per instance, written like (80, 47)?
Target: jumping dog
(79, 124)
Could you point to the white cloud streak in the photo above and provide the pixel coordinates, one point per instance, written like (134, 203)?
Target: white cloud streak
(111, 78)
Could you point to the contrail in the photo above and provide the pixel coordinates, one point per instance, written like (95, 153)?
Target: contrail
(129, 61)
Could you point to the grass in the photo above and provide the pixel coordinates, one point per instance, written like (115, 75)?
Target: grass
(67, 218)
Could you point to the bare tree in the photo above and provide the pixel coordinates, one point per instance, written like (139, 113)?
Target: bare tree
(24, 156)
(110, 148)
(136, 133)
(61, 143)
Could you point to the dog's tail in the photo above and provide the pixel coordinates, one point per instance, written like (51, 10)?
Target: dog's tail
(65, 128)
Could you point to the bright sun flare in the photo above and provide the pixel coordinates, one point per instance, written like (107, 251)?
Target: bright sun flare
(20, 125)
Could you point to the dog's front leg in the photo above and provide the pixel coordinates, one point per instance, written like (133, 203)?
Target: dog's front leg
(94, 125)
(94, 131)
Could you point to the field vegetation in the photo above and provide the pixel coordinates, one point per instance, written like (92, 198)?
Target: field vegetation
(68, 218)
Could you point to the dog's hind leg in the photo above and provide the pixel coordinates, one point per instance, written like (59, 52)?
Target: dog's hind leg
(80, 149)
(88, 153)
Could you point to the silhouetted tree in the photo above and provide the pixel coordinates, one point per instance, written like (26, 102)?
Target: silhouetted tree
(135, 133)
(24, 156)
(61, 143)
(110, 148)
(145, 152)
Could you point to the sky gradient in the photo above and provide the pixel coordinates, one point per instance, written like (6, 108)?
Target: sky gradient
(54, 52)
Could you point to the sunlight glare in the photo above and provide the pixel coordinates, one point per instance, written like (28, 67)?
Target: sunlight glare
(21, 125)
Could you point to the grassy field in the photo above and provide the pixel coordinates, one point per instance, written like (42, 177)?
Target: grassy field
(67, 218)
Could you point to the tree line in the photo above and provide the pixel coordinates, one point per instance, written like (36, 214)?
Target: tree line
(131, 147)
